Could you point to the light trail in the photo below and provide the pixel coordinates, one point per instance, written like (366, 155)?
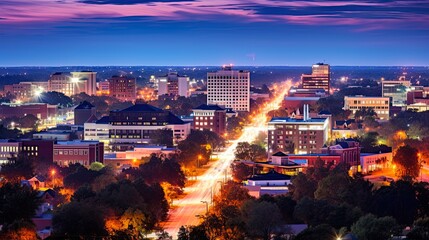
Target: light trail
(191, 206)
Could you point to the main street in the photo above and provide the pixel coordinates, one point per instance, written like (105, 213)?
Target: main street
(199, 195)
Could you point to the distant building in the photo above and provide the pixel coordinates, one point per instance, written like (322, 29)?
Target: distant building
(210, 117)
(103, 88)
(135, 125)
(66, 84)
(42, 111)
(291, 104)
(82, 152)
(53, 135)
(83, 112)
(319, 78)
(8, 149)
(298, 135)
(90, 79)
(173, 84)
(97, 130)
(380, 105)
(370, 162)
(396, 90)
(306, 92)
(271, 183)
(123, 88)
(229, 88)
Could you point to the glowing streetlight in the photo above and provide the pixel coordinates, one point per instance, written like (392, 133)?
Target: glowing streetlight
(53, 172)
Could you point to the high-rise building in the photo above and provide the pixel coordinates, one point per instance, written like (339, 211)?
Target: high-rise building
(229, 88)
(123, 88)
(381, 105)
(65, 83)
(90, 79)
(210, 117)
(319, 78)
(103, 88)
(396, 90)
(173, 84)
(298, 135)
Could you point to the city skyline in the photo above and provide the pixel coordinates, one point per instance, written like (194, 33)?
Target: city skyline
(186, 33)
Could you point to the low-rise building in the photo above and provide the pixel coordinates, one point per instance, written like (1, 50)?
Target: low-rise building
(83, 112)
(380, 105)
(210, 117)
(271, 183)
(298, 135)
(370, 162)
(53, 135)
(42, 111)
(82, 152)
(123, 88)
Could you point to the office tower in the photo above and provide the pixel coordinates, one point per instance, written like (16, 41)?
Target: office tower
(122, 88)
(210, 117)
(173, 84)
(319, 78)
(103, 88)
(229, 88)
(65, 83)
(298, 135)
(90, 79)
(380, 105)
(396, 90)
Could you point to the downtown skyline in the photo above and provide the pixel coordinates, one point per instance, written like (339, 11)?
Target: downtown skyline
(185, 33)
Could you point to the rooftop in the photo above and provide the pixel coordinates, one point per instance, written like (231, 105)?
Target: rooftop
(142, 107)
(279, 154)
(272, 175)
(296, 120)
(209, 107)
(302, 98)
(85, 105)
(76, 142)
(103, 120)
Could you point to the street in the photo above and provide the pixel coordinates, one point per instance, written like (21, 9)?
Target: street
(198, 196)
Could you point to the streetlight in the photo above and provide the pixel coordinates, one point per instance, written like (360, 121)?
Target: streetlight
(53, 172)
(207, 206)
(198, 162)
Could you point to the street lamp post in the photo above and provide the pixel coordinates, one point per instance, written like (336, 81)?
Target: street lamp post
(53, 177)
(207, 206)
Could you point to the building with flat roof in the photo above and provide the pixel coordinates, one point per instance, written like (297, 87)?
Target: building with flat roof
(65, 83)
(82, 152)
(89, 78)
(381, 105)
(173, 84)
(42, 111)
(298, 135)
(319, 78)
(229, 88)
(123, 88)
(396, 90)
(271, 183)
(97, 130)
(210, 117)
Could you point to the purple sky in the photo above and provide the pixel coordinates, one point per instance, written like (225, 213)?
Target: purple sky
(213, 32)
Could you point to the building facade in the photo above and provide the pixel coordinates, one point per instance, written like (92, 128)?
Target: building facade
(381, 105)
(210, 117)
(136, 124)
(123, 88)
(82, 152)
(396, 90)
(83, 112)
(229, 88)
(173, 84)
(42, 111)
(298, 135)
(90, 80)
(66, 84)
(319, 78)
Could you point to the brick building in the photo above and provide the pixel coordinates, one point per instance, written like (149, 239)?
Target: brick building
(210, 117)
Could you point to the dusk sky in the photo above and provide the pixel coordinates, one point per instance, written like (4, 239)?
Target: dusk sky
(213, 32)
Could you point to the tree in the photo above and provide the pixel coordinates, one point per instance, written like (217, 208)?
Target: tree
(252, 152)
(323, 231)
(420, 230)
(17, 203)
(183, 233)
(407, 160)
(83, 193)
(29, 121)
(261, 218)
(96, 166)
(79, 220)
(370, 227)
(19, 230)
(18, 168)
(55, 98)
(241, 172)
(302, 186)
(162, 137)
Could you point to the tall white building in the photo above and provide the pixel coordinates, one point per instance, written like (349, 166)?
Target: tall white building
(90, 79)
(229, 88)
(173, 84)
(65, 83)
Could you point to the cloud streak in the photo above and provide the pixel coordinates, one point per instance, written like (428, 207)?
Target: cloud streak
(364, 14)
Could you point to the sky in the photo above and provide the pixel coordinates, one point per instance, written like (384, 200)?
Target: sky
(214, 32)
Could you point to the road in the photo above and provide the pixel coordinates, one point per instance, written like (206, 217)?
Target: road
(199, 195)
